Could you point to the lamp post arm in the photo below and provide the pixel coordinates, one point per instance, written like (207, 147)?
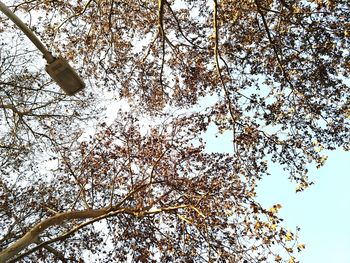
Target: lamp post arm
(47, 54)
(58, 68)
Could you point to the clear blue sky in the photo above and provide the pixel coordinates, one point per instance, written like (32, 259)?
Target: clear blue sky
(322, 211)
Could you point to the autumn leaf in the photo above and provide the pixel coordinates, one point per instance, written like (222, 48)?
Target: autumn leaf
(289, 236)
(273, 227)
(275, 208)
(301, 247)
(278, 258)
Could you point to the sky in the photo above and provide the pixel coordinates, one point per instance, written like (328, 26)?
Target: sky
(322, 211)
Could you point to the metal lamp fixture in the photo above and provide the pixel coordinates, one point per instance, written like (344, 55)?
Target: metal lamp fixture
(58, 68)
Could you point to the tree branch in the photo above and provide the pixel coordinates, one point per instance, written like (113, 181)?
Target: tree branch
(34, 233)
(96, 214)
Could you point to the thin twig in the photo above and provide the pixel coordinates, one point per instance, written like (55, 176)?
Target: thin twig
(219, 72)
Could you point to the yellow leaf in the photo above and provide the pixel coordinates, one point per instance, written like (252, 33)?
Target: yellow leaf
(273, 227)
(302, 186)
(272, 210)
(291, 260)
(289, 236)
(321, 161)
(257, 225)
(301, 247)
(275, 208)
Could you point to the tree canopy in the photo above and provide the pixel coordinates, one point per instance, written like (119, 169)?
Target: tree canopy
(270, 76)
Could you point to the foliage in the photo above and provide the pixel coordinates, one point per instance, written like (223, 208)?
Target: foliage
(272, 74)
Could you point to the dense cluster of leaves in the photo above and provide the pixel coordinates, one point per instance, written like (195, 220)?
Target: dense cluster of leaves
(271, 73)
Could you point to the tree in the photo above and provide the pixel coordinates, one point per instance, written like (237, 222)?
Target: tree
(271, 74)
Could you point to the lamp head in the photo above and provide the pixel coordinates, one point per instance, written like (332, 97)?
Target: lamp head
(65, 76)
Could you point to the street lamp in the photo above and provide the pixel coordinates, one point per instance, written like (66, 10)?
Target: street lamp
(58, 68)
